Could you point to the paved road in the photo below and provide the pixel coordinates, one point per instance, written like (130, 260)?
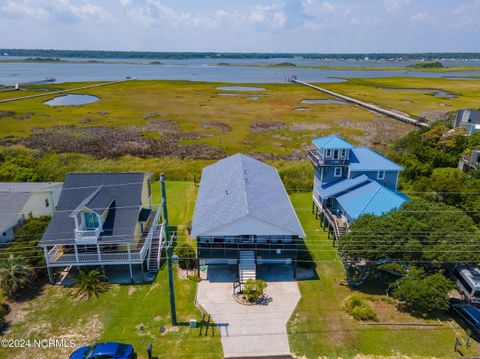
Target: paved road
(258, 330)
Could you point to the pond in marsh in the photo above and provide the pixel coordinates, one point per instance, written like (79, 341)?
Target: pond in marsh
(240, 88)
(324, 101)
(301, 109)
(437, 92)
(71, 100)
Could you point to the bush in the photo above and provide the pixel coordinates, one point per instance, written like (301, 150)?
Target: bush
(253, 289)
(359, 308)
(195, 278)
(186, 256)
(15, 276)
(4, 310)
(423, 293)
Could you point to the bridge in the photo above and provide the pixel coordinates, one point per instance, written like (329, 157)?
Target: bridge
(368, 106)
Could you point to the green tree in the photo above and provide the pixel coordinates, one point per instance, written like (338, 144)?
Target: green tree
(90, 284)
(444, 185)
(423, 293)
(433, 233)
(15, 275)
(27, 237)
(253, 289)
(186, 256)
(18, 167)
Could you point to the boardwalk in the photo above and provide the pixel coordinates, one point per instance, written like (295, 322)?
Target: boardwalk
(382, 111)
(63, 91)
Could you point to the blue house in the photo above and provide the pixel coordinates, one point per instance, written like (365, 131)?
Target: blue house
(350, 181)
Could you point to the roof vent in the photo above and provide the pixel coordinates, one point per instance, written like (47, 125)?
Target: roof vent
(226, 192)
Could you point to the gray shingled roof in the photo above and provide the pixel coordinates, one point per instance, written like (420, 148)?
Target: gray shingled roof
(240, 186)
(124, 189)
(11, 203)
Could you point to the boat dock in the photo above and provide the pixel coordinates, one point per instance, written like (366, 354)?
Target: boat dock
(368, 106)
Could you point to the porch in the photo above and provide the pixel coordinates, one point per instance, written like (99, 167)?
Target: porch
(135, 252)
(263, 251)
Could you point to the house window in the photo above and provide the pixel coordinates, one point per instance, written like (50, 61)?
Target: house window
(381, 175)
(344, 153)
(91, 220)
(47, 203)
(337, 172)
(328, 153)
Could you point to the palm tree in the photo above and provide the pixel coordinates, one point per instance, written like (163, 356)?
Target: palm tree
(14, 275)
(89, 284)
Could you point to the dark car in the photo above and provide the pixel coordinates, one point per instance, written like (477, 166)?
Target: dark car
(468, 315)
(104, 351)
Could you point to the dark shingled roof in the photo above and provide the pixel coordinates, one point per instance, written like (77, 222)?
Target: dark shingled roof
(122, 192)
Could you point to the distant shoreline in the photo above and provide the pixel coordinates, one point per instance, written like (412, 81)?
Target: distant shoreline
(95, 54)
(266, 65)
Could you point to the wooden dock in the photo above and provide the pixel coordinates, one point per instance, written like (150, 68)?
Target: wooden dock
(368, 106)
(63, 91)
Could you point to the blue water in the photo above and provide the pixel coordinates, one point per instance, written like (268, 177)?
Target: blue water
(204, 70)
(71, 100)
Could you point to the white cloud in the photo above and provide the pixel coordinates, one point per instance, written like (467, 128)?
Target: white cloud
(422, 17)
(60, 9)
(396, 5)
(15, 8)
(125, 2)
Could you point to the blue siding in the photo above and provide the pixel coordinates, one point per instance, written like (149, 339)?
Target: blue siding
(389, 181)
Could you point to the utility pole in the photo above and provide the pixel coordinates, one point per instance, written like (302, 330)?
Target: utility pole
(171, 284)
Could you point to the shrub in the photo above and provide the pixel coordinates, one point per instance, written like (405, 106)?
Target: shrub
(186, 256)
(89, 284)
(4, 310)
(359, 308)
(195, 278)
(15, 276)
(423, 293)
(253, 289)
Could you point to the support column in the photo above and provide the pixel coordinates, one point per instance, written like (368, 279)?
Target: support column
(76, 255)
(99, 253)
(130, 262)
(47, 262)
(313, 206)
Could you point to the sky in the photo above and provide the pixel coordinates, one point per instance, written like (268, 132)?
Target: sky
(312, 26)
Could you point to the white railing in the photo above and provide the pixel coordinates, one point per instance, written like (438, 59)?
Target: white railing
(160, 244)
(87, 234)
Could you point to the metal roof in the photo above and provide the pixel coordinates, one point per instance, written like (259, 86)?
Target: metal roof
(334, 188)
(331, 141)
(124, 189)
(365, 159)
(11, 204)
(371, 198)
(238, 187)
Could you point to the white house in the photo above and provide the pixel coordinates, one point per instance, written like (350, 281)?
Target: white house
(21, 200)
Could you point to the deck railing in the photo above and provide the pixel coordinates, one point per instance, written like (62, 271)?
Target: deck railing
(57, 256)
(318, 160)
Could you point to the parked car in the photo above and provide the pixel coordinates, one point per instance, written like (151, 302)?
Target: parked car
(468, 315)
(105, 351)
(467, 280)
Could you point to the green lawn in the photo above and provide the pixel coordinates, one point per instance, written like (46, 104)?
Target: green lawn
(320, 328)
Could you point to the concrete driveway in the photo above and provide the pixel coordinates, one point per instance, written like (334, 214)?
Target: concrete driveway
(258, 330)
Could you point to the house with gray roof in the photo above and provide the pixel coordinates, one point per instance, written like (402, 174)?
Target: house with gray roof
(21, 200)
(468, 119)
(104, 219)
(243, 216)
(350, 181)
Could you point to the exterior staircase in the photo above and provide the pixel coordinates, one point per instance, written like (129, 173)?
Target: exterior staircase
(247, 267)
(153, 258)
